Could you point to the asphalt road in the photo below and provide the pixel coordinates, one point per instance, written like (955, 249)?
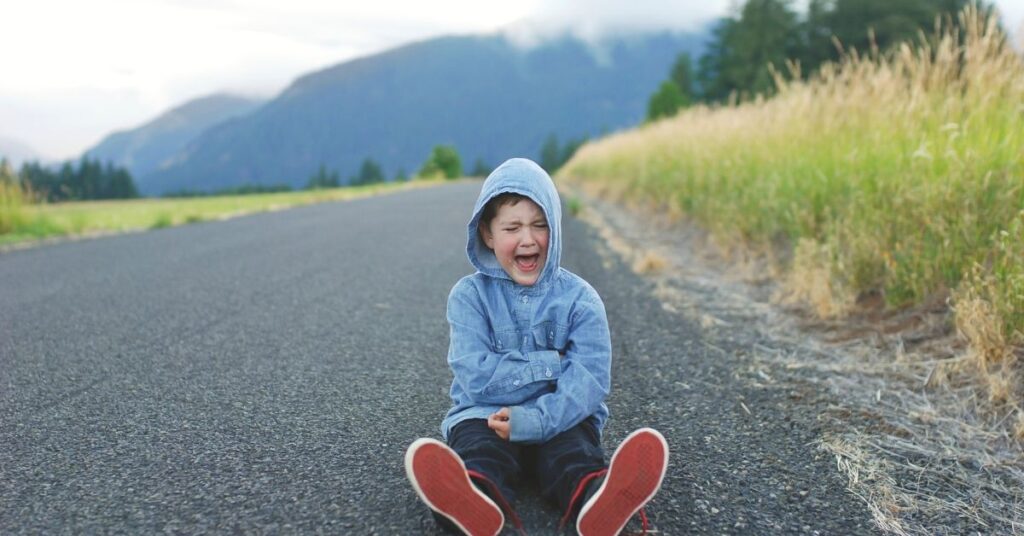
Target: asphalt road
(265, 374)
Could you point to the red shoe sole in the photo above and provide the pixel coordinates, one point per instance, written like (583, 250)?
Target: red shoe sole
(634, 476)
(439, 477)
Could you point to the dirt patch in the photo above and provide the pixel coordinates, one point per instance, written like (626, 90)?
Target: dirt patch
(914, 434)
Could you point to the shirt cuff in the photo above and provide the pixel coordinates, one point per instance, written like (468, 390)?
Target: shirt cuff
(545, 365)
(525, 425)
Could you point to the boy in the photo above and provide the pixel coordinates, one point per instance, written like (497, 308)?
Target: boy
(531, 354)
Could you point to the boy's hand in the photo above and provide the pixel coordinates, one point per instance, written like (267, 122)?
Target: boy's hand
(499, 422)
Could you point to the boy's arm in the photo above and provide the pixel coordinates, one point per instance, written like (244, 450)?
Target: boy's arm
(584, 383)
(488, 377)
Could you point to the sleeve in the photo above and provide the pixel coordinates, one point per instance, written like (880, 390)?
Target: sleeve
(584, 383)
(486, 376)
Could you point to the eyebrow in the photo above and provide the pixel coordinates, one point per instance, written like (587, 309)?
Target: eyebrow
(518, 221)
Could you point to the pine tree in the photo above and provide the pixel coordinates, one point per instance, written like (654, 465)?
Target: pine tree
(665, 102)
(682, 74)
(444, 161)
(550, 155)
(323, 179)
(369, 173)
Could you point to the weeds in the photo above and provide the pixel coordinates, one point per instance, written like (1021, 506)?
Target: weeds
(898, 175)
(12, 211)
(161, 220)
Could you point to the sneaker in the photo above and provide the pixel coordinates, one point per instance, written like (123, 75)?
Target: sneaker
(634, 476)
(440, 479)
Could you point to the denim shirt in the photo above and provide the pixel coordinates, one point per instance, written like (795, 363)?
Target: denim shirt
(544, 350)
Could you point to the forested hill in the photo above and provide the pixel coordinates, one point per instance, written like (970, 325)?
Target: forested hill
(144, 149)
(482, 94)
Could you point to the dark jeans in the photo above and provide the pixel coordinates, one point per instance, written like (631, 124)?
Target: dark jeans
(557, 465)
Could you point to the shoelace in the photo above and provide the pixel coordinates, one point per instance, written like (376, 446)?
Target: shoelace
(576, 496)
(502, 503)
(579, 492)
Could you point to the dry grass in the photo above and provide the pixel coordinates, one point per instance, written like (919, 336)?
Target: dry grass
(809, 281)
(649, 262)
(900, 176)
(12, 202)
(912, 429)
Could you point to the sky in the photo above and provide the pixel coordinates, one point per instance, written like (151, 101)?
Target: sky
(71, 72)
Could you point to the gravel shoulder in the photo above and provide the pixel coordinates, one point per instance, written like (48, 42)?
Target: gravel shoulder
(880, 407)
(745, 436)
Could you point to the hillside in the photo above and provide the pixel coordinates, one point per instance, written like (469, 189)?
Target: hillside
(142, 150)
(481, 93)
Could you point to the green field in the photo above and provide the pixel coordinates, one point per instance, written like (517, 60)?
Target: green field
(21, 221)
(901, 174)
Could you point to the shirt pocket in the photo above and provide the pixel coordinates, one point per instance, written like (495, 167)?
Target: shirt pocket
(506, 341)
(551, 336)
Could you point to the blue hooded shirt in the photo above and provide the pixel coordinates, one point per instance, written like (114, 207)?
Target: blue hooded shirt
(544, 350)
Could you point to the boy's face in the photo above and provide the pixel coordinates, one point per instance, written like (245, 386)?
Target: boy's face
(518, 234)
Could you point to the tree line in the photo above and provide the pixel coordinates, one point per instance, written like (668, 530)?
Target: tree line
(87, 180)
(765, 33)
(444, 162)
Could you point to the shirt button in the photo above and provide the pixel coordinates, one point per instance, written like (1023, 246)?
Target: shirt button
(547, 373)
(524, 299)
(516, 382)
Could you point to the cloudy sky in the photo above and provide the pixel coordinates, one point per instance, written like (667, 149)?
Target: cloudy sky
(74, 71)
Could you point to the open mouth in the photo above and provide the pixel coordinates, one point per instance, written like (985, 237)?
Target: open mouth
(527, 263)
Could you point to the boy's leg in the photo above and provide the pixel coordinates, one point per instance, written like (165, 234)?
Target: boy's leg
(491, 461)
(564, 463)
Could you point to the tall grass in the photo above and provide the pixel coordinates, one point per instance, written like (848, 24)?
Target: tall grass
(899, 173)
(12, 202)
(19, 219)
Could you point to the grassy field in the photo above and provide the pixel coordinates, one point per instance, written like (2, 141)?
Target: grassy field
(900, 174)
(22, 221)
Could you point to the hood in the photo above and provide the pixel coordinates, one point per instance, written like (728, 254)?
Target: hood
(521, 176)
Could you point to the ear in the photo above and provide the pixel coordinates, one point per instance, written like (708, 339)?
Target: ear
(486, 235)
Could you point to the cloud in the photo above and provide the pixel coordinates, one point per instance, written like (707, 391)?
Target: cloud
(111, 64)
(594, 20)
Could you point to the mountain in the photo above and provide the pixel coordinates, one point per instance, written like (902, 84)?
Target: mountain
(17, 152)
(144, 149)
(488, 97)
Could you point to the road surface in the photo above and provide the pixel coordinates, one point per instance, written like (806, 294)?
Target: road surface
(265, 374)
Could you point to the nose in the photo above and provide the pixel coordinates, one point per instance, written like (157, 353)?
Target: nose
(529, 238)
